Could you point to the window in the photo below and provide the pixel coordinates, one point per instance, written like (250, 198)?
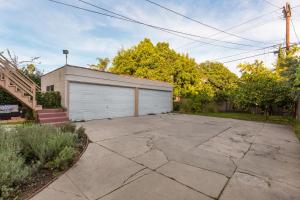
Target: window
(50, 88)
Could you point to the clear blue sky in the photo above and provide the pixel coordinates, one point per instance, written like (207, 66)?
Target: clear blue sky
(41, 28)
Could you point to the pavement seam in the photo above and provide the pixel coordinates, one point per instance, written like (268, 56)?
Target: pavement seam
(236, 168)
(78, 188)
(153, 170)
(222, 131)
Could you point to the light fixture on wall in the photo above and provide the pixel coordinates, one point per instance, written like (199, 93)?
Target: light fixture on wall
(66, 52)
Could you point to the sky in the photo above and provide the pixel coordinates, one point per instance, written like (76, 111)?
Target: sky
(31, 28)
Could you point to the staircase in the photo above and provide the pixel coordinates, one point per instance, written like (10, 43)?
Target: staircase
(17, 84)
(52, 116)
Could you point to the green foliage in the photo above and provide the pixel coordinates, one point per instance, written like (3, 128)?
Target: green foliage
(43, 143)
(6, 98)
(159, 62)
(101, 65)
(31, 71)
(260, 87)
(49, 99)
(221, 79)
(64, 159)
(25, 149)
(12, 165)
(68, 127)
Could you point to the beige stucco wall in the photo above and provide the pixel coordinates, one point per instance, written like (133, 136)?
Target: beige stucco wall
(85, 75)
(61, 78)
(56, 78)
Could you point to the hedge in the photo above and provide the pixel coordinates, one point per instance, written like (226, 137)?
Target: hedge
(49, 99)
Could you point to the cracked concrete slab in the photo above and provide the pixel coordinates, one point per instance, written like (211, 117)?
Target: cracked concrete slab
(152, 159)
(155, 187)
(175, 156)
(63, 188)
(247, 187)
(96, 177)
(204, 181)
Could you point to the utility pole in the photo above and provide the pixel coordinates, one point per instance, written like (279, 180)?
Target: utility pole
(287, 15)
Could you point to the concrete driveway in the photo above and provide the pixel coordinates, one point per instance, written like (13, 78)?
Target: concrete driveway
(182, 157)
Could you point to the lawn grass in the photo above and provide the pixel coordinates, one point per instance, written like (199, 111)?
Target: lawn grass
(253, 117)
(286, 120)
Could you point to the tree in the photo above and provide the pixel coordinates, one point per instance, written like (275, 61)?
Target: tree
(261, 88)
(101, 65)
(221, 79)
(159, 62)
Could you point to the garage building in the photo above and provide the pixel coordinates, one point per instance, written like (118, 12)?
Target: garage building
(89, 94)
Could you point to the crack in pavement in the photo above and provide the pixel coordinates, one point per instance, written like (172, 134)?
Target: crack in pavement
(222, 131)
(132, 175)
(153, 170)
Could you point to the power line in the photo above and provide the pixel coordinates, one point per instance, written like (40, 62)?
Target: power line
(243, 23)
(153, 26)
(249, 57)
(244, 30)
(229, 61)
(272, 4)
(295, 30)
(170, 31)
(259, 49)
(199, 22)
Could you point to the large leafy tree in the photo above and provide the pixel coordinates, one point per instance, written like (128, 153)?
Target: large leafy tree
(261, 87)
(102, 64)
(221, 79)
(159, 62)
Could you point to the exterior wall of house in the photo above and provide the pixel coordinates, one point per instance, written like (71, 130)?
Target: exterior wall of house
(79, 74)
(56, 78)
(66, 76)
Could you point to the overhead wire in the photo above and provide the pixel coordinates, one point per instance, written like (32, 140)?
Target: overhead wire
(272, 4)
(170, 31)
(199, 22)
(243, 23)
(295, 30)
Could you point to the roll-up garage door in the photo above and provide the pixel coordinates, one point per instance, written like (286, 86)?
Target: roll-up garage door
(90, 101)
(154, 101)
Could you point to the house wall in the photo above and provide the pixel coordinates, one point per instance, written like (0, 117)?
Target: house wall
(56, 78)
(62, 77)
(77, 74)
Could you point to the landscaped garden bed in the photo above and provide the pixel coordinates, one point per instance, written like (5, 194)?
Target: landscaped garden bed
(32, 155)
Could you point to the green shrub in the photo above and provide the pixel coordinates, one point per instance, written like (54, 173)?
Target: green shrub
(43, 143)
(12, 165)
(68, 127)
(64, 159)
(49, 99)
(26, 149)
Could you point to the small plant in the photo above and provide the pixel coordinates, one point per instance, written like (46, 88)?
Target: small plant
(69, 127)
(64, 159)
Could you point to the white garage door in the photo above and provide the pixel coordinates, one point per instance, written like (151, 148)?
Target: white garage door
(87, 101)
(154, 101)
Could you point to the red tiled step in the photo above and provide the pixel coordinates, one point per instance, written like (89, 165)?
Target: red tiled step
(51, 110)
(57, 123)
(54, 119)
(52, 114)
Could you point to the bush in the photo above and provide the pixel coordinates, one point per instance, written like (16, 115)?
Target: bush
(64, 159)
(12, 165)
(49, 99)
(43, 143)
(68, 127)
(26, 149)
